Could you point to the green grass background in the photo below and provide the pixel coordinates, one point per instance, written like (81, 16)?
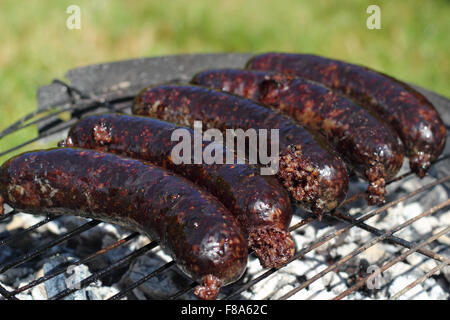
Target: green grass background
(35, 45)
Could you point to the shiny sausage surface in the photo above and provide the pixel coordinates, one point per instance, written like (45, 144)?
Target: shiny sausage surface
(413, 117)
(371, 148)
(315, 177)
(191, 225)
(259, 202)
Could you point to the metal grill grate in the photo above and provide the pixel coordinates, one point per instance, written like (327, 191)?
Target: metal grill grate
(86, 103)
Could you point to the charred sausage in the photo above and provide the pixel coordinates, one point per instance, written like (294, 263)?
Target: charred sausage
(413, 117)
(371, 148)
(190, 224)
(259, 203)
(315, 177)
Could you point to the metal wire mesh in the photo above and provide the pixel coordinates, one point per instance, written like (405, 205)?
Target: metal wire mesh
(83, 103)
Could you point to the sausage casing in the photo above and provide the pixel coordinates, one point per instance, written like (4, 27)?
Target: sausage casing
(413, 117)
(259, 203)
(190, 224)
(371, 148)
(315, 177)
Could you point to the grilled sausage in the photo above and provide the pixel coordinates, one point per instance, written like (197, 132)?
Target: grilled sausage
(413, 117)
(315, 177)
(190, 224)
(371, 148)
(259, 203)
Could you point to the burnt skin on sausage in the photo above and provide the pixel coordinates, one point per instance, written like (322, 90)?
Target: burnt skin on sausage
(413, 117)
(190, 224)
(259, 203)
(315, 177)
(372, 149)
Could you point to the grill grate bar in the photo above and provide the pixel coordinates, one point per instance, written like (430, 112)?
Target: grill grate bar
(303, 222)
(184, 291)
(17, 126)
(386, 266)
(365, 247)
(36, 252)
(5, 293)
(136, 284)
(108, 270)
(79, 104)
(77, 108)
(360, 195)
(49, 133)
(421, 279)
(411, 267)
(76, 263)
(7, 215)
(27, 230)
(334, 234)
(411, 194)
(300, 254)
(41, 136)
(164, 267)
(390, 239)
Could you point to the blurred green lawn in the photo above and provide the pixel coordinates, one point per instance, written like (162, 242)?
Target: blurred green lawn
(36, 46)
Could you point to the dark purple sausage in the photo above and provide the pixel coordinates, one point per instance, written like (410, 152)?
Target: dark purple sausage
(372, 149)
(315, 177)
(259, 203)
(413, 117)
(201, 235)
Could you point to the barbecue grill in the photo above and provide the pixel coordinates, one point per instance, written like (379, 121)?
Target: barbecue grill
(112, 87)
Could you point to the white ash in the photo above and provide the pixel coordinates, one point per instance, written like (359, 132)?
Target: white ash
(62, 256)
(161, 286)
(172, 280)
